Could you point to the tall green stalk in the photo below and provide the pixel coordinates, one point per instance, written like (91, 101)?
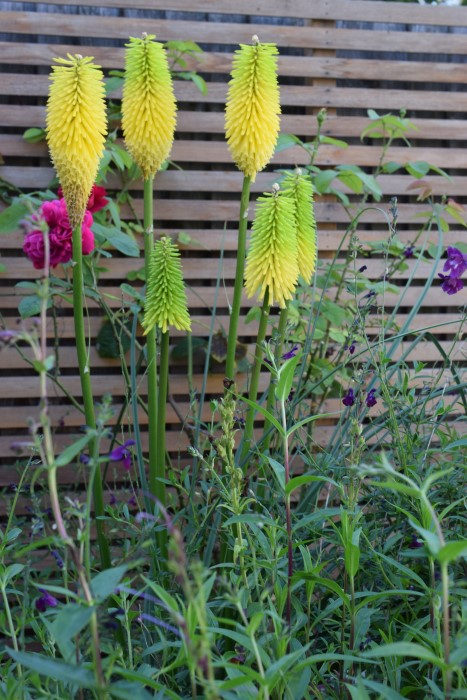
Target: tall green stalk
(159, 473)
(254, 380)
(151, 340)
(239, 270)
(283, 317)
(88, 401)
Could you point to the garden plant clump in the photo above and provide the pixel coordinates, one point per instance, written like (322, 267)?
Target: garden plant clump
(310, 543)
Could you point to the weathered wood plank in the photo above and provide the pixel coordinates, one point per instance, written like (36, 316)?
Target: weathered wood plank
(25, 54)
(231, 33)
(357, 10)
(302, 125)
(217, 152)
(201, 181)
(291, 95)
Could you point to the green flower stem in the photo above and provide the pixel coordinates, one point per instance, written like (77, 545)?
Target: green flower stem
(88, 401)
(283, 318)
(160, 436)
(238, 289)
(254, 380)
(288, 518)
(150, 340)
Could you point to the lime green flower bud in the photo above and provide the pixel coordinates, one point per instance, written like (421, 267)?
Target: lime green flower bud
(271, 262)
(300, 189)
(148, 104)
(252, 109)
(166, 302)
(76, 129)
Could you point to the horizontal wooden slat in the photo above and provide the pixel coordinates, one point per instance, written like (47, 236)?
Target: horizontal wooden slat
(358, 10)
(118, 268)
(200, 181)
(317, 67)
(214, 32)
(206, 297)
(217, 152)
(22, 116)
(291, 95)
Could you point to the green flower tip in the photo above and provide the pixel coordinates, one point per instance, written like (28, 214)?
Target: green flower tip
(166, 302)
(272, 259)
(300, 189)
(148, 104)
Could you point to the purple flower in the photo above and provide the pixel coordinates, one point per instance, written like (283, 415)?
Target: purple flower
(132, 502)
(456, 264)
(409, 251)
(371, 398)
(84, 459)
(415, 543)
(451, 285)
(291, 353)
(362, 268)
(122, 454)
(349, 398)
(47, 600)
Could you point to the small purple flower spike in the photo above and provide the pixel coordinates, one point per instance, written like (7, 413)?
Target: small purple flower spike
(371, 398)
(47, 600)
(349, 398)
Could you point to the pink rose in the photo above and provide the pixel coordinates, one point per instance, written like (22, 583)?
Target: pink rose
(55, 215)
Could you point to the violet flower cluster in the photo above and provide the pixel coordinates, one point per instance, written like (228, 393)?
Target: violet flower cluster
(455, 265)
(53, 218)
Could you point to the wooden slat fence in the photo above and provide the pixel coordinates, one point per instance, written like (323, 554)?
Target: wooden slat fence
(344, 55)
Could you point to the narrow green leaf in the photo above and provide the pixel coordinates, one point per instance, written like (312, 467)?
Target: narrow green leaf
(279, 471)
(265, 413)
(285, 378)
(107, 581)
(310, 419)
(452, 551)
(50, 668)
(299, 481)
(404, 649)
(70, 452)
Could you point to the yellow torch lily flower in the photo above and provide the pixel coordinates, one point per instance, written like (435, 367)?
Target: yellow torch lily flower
(76, 129)
(252, 108)
(166, 301)
(271, 262)
(148, 104)
(300, 189)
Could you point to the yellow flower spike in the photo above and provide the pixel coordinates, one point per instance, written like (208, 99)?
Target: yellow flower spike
(148, 105)
(76, 129)
(252, 108)
(300, 189)
(166, 301)
(271, 262)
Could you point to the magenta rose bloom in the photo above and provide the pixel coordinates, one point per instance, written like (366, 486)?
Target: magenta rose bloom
(55, 216)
